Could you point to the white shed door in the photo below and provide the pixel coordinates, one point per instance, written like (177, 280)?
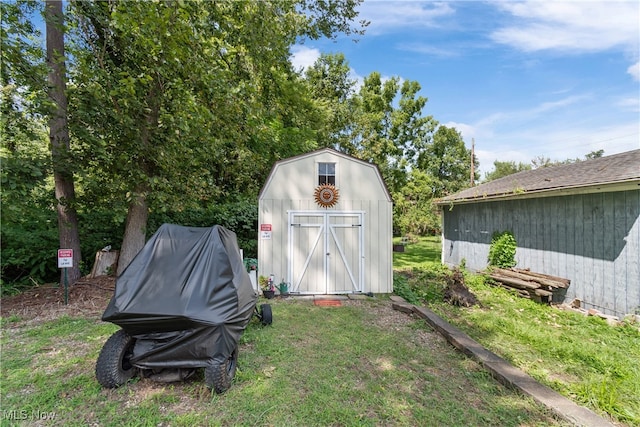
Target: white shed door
(326, 252)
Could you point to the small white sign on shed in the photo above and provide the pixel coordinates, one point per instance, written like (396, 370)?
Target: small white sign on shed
(265, 231)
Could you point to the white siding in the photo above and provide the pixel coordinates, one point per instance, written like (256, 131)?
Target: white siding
(291, 186)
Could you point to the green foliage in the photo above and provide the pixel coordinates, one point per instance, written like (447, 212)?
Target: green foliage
(188, 105)
(99, 228)
(29, 251)
(250, 264)
(447, 161)
(576, 355)
(22, 59)
(239, 216)
(29, 225)
(544, 162)
(420, 274)
(329, 83)
(402, 289)
(502, 169)
(413, 208)
(502, 252)
(388, 127)
(432, 282)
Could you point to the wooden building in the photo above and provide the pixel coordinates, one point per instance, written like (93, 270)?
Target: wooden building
(578, 221)
(325, 225)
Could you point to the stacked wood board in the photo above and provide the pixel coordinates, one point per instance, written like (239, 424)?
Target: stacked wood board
(528, 284)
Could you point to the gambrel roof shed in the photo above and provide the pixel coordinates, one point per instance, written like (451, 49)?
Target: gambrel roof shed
(579, 221)
(325, 225)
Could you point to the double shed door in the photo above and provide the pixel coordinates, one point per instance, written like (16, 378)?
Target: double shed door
(326, 252)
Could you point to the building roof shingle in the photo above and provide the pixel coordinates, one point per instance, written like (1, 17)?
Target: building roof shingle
(615, 169)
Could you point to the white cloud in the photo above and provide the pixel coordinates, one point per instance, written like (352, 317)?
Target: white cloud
(629, 104)
(390, 15)
(466, 130)
(303, 57)
(571, 26)
(426, 49)
(634, 70)
(548, 106)
(496, 137)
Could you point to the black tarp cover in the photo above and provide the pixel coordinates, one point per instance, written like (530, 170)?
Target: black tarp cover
(186, 297)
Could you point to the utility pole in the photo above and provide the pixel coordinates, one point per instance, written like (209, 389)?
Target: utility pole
(473, 154)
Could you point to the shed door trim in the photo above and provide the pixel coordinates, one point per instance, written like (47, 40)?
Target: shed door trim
(326, 236)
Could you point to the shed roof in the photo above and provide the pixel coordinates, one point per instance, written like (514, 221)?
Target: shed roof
(613, 172)
(334, 152)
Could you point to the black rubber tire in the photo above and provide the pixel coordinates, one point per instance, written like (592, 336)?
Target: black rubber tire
(266, 316)
(113, 367)
(219, 377)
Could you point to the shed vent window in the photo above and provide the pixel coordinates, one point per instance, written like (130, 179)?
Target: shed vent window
(326, 173)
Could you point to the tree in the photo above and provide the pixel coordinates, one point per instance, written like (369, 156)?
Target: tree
(596, 154)
(33, 92)
(447, 161)
(172, 99)
(59, 137)
(413, 208)
(332, 88)
(502, 169)
(387, 127)
(543, 162)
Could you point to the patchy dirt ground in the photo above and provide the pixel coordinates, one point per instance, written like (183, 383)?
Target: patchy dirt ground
(87, 297)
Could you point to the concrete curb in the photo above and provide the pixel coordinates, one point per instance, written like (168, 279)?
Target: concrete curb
(506, 373)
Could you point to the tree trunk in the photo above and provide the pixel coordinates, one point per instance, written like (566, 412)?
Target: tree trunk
(138, 213)
(59, 138)
(135, 230)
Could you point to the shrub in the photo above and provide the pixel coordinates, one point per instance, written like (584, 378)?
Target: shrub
(239, 216)
(421, 284)
(502, 252)
(402, 289)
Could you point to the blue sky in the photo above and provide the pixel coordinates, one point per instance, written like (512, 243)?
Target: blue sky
(523, 79)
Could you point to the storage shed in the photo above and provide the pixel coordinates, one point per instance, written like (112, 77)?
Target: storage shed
(325, 225)
(579, 221)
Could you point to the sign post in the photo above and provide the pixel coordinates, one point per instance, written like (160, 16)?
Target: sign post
(65, 260)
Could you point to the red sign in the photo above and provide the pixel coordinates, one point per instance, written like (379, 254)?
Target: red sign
(65, 258)
(265, 227)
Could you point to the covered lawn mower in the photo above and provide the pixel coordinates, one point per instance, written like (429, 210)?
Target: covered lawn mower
(182, 304)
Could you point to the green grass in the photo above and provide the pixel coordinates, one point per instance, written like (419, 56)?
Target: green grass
(345, 365)
(592, 363)
(424, 252)
(314, 366)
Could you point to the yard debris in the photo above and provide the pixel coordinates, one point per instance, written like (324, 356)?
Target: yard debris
(611, 320)
(105, 264)
(457, 293)
(528, 284)
(327, 302)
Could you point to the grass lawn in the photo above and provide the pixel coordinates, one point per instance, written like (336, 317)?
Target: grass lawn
(590, 362)
(425, 252)
(360, 364)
